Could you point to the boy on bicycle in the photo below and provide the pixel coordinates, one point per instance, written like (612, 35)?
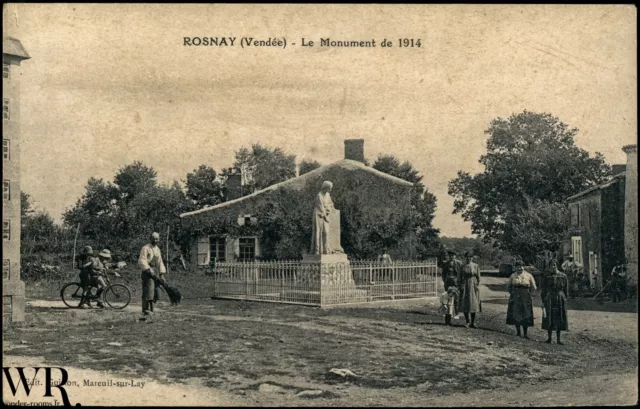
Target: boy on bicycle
(96, 268)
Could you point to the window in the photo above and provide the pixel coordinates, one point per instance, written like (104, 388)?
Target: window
(6, 152)
(217, 249)
(6, 190)
(6, 266)
(6, 110)
(247, 248)
(6, 230)
(576, 248)
(5, 70)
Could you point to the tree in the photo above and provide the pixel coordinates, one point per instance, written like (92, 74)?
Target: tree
(530, 228)
(530, 157)
(423, 203)
(307, 166)
(263, 166)
(134, 179)
(204, 187)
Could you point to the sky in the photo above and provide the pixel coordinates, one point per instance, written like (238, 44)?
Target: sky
(110, 84)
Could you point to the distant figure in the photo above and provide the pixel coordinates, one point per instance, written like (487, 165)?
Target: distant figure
(619, 281)
(85, 261)
(573, 270)
(152, 266)
(470, 291)
(385, 258)
(554, 297)
(323, 205)
(520, 309)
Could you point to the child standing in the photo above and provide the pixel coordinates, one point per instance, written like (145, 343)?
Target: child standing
(449, 303)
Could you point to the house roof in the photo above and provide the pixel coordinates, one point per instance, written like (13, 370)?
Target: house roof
(300, 181)
(13, 46)
(604, 185)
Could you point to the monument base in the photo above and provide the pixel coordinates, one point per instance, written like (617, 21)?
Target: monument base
(335, 276)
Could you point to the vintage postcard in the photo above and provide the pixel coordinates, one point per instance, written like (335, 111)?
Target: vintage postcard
(319, 205)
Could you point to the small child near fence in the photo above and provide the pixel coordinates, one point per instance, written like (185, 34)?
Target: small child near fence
(449, 303)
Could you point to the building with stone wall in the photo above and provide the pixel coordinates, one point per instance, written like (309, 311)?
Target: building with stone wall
(13, 53)
(631, 212)
(374, 191)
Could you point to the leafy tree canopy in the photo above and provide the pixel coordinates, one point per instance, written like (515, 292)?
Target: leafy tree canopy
(530, 156)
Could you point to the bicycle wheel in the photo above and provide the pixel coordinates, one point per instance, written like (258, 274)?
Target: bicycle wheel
(117, 296)
(71, 294)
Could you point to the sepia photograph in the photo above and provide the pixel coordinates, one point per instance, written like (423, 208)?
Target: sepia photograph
(314, 205)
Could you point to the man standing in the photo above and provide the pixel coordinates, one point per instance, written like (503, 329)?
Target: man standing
(451, 270)
(573, 270)
(153, 269)
(470, 291)
(619, 281)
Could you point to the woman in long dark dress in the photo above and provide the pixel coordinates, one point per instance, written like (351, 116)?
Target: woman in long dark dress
(520, 310)
(555, 288)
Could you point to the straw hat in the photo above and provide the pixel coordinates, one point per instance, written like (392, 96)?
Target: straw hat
(105, 253)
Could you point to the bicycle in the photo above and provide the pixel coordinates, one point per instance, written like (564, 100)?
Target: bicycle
(116, 296)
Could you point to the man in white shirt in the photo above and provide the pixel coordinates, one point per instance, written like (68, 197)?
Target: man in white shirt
(153, 269)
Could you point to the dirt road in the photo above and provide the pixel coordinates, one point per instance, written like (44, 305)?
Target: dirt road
(237, 353)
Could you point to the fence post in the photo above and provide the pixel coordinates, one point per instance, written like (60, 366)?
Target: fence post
(393, 283)
(245, 272)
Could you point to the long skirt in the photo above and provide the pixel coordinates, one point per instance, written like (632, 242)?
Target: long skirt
(520, 310)
(470, 296)
(555, 305)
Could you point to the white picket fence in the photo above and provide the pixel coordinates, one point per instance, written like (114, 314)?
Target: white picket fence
(290, 281)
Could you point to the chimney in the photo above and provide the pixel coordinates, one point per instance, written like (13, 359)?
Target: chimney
(234, 184)
(354, 149)
(617, 169)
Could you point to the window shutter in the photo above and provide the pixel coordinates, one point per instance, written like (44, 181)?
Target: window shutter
(236, 248)
(257, 249)
(203, 251)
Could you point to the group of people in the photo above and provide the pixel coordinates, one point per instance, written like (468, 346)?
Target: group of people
(554, 292)
(462, 284)
(462, 295)
(93, 270)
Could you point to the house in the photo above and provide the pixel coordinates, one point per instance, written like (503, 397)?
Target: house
(596, 231)
(13, 53)
(375, 192)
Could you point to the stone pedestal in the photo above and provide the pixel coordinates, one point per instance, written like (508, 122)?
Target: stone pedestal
(331, 275)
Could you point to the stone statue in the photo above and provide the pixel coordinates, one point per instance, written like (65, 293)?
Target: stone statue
(323, 210)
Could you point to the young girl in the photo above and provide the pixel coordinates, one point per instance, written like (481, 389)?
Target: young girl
(449, 303)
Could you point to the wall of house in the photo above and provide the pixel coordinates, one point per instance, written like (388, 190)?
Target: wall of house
(585, 223)
(12, 286)
(612, 228)
(631, 213)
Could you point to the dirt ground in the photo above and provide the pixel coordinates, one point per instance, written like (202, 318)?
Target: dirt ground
(216, 352)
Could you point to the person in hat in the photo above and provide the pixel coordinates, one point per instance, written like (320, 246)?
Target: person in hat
(619, 281)
(152, 266)
(520, 309)
(98, 270)
(470, 291)
(554, 291)
(85, 261)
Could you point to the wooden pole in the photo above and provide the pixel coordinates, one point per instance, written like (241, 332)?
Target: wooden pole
(168, 248)
(75, 240)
